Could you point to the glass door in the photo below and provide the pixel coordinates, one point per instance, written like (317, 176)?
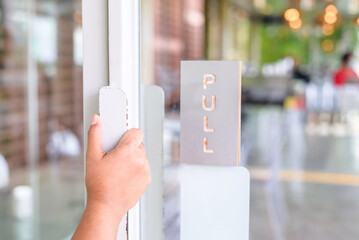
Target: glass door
(41, 130)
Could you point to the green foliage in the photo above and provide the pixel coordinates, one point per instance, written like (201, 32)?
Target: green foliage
(278, 6)
(279, 41)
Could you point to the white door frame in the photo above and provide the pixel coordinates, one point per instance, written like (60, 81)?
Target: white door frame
(112, 56)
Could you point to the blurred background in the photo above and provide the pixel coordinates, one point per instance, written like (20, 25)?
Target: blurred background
(300, 109)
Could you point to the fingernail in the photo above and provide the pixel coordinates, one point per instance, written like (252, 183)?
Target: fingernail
(93, 120)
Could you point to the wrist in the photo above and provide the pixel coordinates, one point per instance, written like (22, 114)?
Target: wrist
(113, 213)
(99, 221)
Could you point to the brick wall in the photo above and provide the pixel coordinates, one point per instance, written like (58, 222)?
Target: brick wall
(60, 96)
(179, 35)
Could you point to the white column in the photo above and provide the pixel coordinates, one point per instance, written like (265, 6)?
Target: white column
(33, 112)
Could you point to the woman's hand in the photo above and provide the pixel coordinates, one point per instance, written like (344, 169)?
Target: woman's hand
(115, 181)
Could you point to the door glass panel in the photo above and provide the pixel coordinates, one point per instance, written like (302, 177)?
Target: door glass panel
(299, 122)
(41, 161)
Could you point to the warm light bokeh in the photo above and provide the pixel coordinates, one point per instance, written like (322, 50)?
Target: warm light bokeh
(331, 8)
(328, 45)
(291, 14)
(330, 17)
(295, 24)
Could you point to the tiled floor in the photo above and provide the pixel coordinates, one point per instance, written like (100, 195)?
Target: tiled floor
(282, 208)
(301, 208)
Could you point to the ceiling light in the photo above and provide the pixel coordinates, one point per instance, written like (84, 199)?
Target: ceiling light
(328, 45)
(296, 24)
(291, 14)
(331, 8)
(330, 17)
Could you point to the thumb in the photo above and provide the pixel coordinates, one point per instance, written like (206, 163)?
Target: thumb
(94, 148)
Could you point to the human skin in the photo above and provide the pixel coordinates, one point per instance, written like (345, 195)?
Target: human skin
(115, 181)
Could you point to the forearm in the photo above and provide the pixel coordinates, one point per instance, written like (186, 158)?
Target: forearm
(99, 221)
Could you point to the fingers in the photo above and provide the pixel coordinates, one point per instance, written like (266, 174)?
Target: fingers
(133, 137)
(94, 147)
